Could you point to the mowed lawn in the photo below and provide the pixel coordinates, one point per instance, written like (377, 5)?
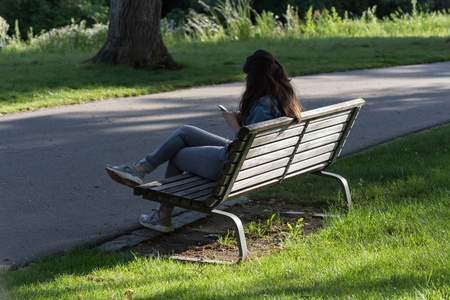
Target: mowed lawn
(31, 80)
(393, 245)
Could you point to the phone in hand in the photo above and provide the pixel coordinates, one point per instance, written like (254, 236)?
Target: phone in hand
(223, 108)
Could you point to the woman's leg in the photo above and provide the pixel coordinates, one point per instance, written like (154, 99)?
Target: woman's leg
(185, 136)
(205, 161)
(188, 149)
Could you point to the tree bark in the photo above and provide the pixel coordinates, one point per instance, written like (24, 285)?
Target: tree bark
(134, 36)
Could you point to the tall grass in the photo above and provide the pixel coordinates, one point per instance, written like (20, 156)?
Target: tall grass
(72, 37)
(3, 30)
(232, 20)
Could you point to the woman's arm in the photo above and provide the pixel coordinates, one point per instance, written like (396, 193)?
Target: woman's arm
(232, 119)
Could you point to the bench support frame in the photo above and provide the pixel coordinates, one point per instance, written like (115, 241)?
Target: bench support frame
(343, 183)
(239, 230)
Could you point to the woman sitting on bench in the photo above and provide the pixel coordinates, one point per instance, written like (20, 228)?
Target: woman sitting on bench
(268, 95)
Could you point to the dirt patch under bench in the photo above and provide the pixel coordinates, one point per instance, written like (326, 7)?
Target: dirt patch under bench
(211, 238)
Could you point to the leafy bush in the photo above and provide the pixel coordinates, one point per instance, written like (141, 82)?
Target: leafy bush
(227, 19)
(71, 37)
(231, 21)
(238, 18)
(3, 30)
(268, 25)
(178, 9)
(67, 38)
(47, 14)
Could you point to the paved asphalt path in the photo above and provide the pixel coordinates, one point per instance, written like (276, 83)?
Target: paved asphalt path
(55, 193)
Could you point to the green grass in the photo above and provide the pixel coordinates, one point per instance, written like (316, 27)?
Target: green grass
(48, 69)
(30, 80)
(395, 244)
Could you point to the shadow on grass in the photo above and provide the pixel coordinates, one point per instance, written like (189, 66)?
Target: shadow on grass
(344, 287)
(78, 262)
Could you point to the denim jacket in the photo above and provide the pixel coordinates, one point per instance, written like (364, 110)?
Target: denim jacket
(262, 111)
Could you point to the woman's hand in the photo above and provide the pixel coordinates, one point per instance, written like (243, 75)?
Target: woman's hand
(232, 119)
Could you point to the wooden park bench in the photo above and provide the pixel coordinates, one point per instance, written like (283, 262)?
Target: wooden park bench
(263, 155)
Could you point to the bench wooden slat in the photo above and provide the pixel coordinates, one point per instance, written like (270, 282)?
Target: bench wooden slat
(273, 182)
(274, 174)
(280, 144)
(251, 162)
(309, 114)
(228, 168)
(314, 152)
(276, 136)
(282, 129)
(279, 134)
(207, 192)
(310, 162)
(265, 149)
(219, 190)
(323, 132)
(319, 142)
(334, 120)
(202, 198)
(308, 170)
(186, 186)
(234, 156)
(265, 126)
(253, 188)
(177, 181)
(196, 192)
(157, 184)
(332, 109)
(224, 179)
(263, 168)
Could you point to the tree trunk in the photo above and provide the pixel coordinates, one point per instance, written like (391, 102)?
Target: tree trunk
(134, 36)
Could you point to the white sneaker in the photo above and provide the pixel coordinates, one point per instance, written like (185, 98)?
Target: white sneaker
(126, 174)
(156, 223)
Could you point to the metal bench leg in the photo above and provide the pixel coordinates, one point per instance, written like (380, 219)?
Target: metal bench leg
(243, 255)
(343, 183)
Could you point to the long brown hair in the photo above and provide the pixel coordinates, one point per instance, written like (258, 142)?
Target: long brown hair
(267, 77)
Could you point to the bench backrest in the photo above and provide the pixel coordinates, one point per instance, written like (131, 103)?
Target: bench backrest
(266, 153)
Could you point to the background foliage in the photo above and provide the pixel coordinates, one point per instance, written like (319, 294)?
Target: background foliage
(48, 14)
(231, 29)
(176, 9)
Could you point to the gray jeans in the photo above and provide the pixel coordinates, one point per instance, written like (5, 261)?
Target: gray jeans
(189, 149)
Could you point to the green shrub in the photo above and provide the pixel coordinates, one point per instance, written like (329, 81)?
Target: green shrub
(268, 25)
(67, 38)
(47, 14)
(178, 9)
(230, 20)
(3, 31)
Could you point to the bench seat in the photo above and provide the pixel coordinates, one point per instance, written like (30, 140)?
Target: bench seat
(186, 191)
